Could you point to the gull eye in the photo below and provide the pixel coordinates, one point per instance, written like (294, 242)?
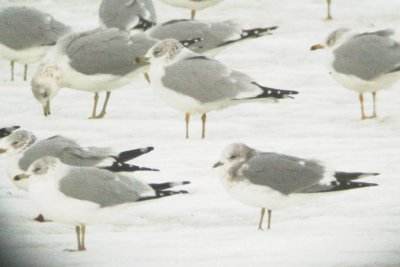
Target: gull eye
(233, 157)
(157, 52)
(14, 143)
(37, 169)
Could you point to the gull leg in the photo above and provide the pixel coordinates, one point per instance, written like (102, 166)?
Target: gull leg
(261, 219)
(361, 97)
(83, 233)
(193, 14)
(25, 72)
(269, 219)
(79, 229)
(96, 100)
(147, 77)
(203, 129)
(329, 17)
(187, 118)
(46, 109)
(103, 111)
(12, 70)
(374, 115)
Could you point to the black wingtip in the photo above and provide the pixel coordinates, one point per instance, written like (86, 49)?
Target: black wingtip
(257, 32)
(8, 130)
(143, 24)
(349, 176)
(190, 42)
(273, 93)
(123, 167)
(131, 154)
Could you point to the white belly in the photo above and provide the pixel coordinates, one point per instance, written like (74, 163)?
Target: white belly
(25, 56)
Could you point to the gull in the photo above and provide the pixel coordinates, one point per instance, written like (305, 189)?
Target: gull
(365, 63)
(271, 180)
(127, 15)
(196, 84)
(7, 130)
(86, 195)
(93, 61)
(193, 5)
(26, 34)
(215, 36)
(23, 149)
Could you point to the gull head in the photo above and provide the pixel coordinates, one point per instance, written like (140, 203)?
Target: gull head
(166, 51)
(335, 38)
(17, 142)
(45, 85)
(42, 168)
(234, 155)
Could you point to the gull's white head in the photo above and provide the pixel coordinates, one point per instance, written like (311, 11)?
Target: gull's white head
(45, 85)
(334, 39)
(41, 169)
(17, 142)
(166, 51)
(234, 154)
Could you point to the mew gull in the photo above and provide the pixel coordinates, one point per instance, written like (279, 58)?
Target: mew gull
(269, 180)
(23, 149)
(86, 195)
(196, 84)
(366, 62)
(6, 131)
(127, 14)
(193, 5)
(215, 36)
(26, 35)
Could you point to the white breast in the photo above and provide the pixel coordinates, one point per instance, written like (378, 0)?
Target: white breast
(24, 56)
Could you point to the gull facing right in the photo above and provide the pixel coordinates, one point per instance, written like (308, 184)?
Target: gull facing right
(270, 180)
(196, 84)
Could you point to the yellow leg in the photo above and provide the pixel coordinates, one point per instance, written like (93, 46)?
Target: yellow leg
(25, 72)
(361, 98)
(83, 232)
(261, 219)
(147, 77)
(203, 129)
(193, 14)
(96, 100)
(103, 111)
(187, 119)
(329, 17)
(374, 115)
(269, 219)
(12, 70)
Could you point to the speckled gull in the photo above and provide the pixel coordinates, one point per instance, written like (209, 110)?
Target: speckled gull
(22, 149)
(86, 195)
(270, 180)
(26, 34)
(196, 84)
(366, 62)
(193, 5)
(127, 14)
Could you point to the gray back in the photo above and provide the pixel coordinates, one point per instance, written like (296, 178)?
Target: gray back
(213, 34)
(122, 13)
(106, 51)
(367, 55)
(204, 79)
(99, 186)
(22, 28)
(67, 150)
(283, 173)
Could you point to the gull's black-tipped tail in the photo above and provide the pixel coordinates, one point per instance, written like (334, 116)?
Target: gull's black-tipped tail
(123, 167)
(251, 33)
(131, 154)
(143, 24)
(162, 194)
(349, 176)
(272, 93)
(7, 131)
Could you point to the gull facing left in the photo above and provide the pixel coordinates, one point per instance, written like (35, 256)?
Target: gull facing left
(196, 84)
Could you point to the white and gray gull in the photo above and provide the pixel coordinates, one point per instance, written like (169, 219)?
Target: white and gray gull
(270, 180)
(127, 14)
(86, 195)
(193, 5)
(366, 62)
(196, 84)
(26, 34)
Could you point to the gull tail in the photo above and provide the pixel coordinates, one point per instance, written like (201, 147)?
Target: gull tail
(251, 33)
(7, 131)
(162, 194)
(131, 154)
(143, 24)
(124, 167)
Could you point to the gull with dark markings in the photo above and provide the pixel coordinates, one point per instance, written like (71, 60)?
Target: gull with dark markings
(26, 34)
(196, 84)
(127, 15)
(270, 180)
(215, 36)
(86, 195)
(22, 149)
(6, 131)
(193, 5)
(365, 63)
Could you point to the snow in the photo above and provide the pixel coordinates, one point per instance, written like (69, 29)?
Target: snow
(208, 227)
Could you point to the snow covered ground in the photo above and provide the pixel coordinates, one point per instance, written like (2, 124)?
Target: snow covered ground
(207, 227)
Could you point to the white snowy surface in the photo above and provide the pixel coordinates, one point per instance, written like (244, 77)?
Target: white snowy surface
(207, 227)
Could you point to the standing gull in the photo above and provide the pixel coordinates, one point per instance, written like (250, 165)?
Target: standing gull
(26, 35)
(127, 15)
(269, 180)
(215, 36)
(365, 63)
(196, 84)
(193, 5)
(6, 131)
(23, 149)
(94, 61)
(85, 195)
